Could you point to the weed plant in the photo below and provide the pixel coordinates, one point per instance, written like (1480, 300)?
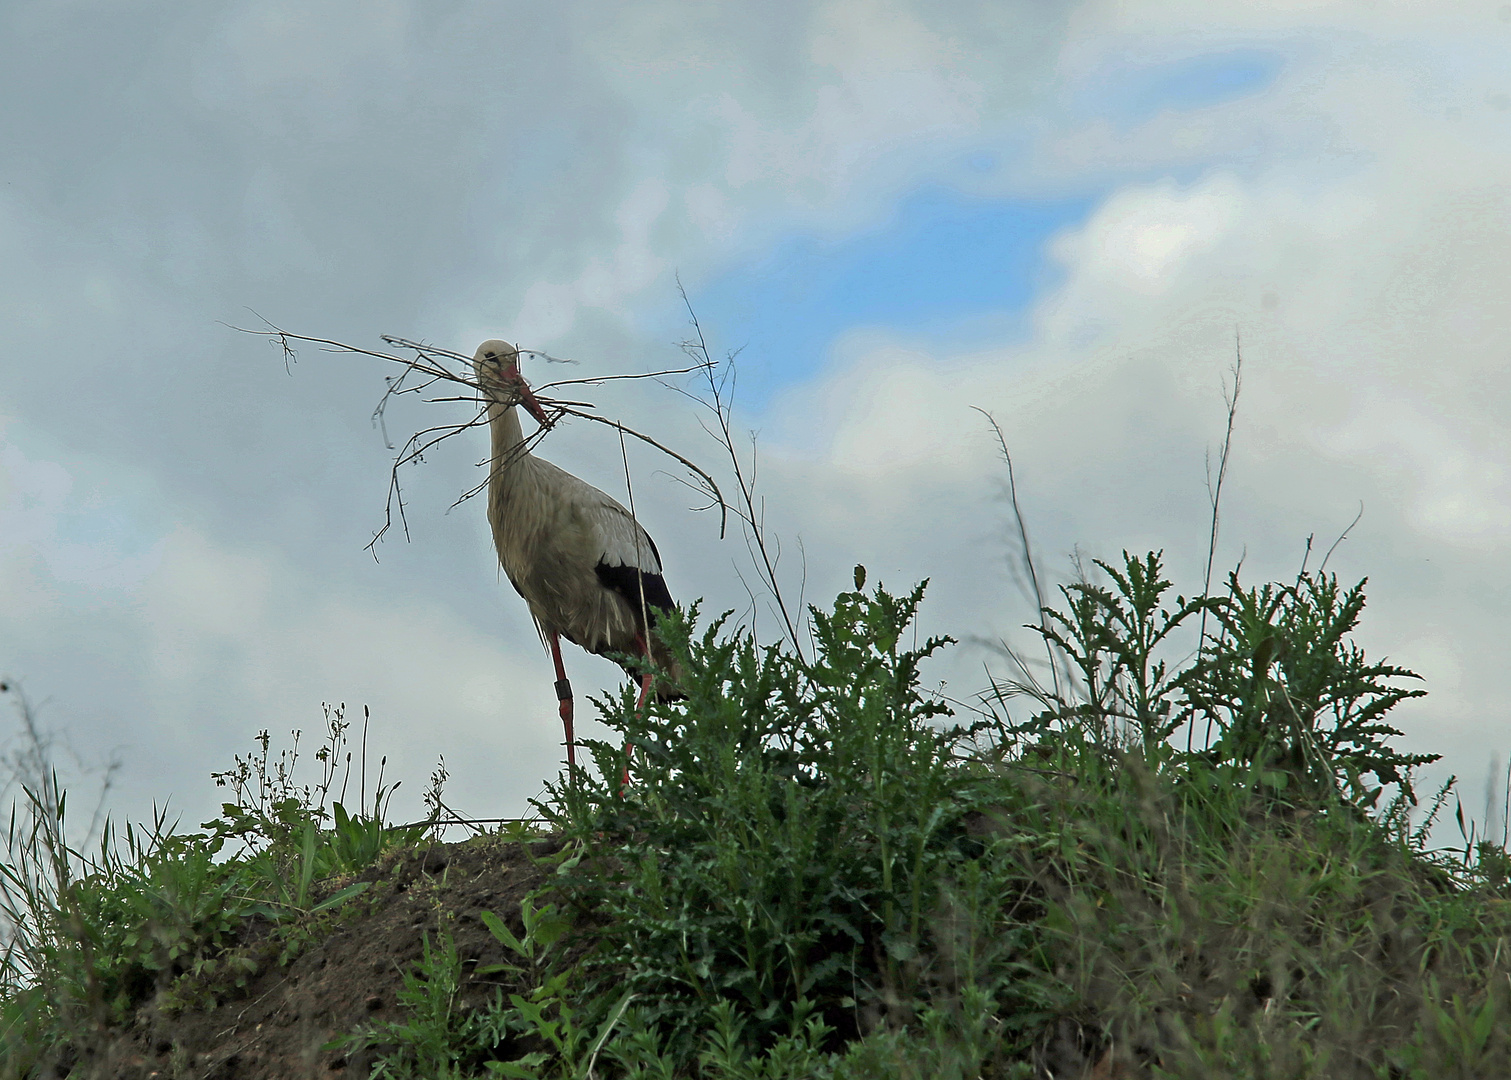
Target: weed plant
(787, 827)
(93, 932)
(814, 871)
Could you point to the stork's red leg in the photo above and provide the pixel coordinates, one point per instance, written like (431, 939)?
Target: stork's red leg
(564, 695)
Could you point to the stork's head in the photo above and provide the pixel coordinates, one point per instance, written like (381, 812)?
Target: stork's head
(497, 366)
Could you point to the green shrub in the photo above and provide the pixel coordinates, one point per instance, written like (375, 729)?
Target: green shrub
(815, 871)
(1291, 700)
(808, 872)
(92, 934)
(789, 834)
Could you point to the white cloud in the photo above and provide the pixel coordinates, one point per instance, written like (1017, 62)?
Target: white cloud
(199, 644)
(246, 628)
(1457, 486)
(1369, 288)
(84, 539)
(1146, 240)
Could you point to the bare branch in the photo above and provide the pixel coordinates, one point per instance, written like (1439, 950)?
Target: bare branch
(1027, 551)
(720, 379)
(1341, 537)
(713, 488)
(428, 366)
(597, 379)
(1214, 491)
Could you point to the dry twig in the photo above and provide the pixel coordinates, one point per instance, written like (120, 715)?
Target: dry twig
(427, 366)
(751, 509)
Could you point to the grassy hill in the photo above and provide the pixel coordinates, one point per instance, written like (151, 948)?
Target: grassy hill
(1121, 865)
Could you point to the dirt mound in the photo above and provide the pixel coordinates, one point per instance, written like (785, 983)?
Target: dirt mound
(347, 975)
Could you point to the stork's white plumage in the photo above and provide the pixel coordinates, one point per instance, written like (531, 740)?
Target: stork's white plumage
(584, 565)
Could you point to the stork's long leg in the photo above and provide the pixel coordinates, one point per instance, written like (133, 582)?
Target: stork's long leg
(564, 695)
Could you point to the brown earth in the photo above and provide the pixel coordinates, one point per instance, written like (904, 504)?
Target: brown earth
(277, 1026)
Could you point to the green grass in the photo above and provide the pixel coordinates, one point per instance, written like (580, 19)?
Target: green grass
(1182, 854)
(93, 933)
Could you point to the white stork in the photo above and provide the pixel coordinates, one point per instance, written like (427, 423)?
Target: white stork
(587, 569)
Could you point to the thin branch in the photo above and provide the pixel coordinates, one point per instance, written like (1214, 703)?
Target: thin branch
(594, 380)
(629, 491)
(713, 488)
(427, 367)
(1341, 537)
(419, 346)
(1306, 556)
(755, 607)
(1028, 555)
(285, 337)
(720, 378)
(1215, 493)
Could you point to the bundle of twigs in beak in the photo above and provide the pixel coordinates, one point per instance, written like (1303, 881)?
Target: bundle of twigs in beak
(427, 369)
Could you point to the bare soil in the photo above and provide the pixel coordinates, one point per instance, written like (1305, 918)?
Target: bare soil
(347, 975)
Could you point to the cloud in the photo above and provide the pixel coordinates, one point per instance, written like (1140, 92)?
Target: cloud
(198, 644)
(249, 632)
(1368, 295)
(478, 171)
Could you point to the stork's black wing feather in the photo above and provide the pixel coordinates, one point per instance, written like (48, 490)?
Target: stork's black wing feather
(628, 581)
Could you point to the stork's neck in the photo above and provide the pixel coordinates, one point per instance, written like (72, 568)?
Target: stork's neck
(508, 443)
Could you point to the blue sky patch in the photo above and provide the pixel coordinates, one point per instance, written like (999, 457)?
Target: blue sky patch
(1132, 95)
(945, 265)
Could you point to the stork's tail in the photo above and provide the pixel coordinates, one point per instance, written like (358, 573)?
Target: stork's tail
(669, 672)
(667, 686)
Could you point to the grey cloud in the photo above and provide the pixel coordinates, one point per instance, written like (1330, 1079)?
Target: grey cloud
(464, 171)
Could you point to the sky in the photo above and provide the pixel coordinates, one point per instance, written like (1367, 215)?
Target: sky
(1069, 215)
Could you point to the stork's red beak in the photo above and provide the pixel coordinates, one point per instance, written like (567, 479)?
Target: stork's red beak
(532, 406)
